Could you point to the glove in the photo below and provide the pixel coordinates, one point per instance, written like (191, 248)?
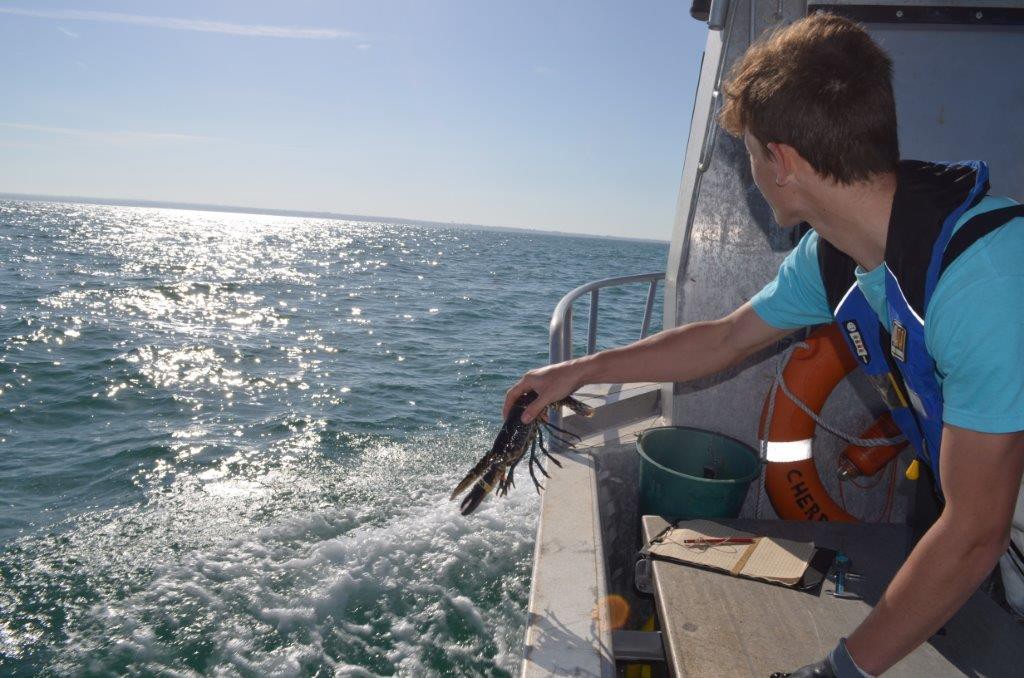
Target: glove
(838, 664)
(820, 669)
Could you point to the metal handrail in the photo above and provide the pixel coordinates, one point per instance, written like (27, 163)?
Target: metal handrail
(560, 331)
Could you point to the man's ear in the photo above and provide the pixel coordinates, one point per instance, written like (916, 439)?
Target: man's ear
(784, 159)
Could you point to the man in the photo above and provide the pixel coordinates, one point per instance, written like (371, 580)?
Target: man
(814, 105)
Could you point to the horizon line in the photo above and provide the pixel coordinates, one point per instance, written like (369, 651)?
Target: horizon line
(274, 211)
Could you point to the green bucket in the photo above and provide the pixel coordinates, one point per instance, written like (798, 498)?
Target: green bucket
(691, 473)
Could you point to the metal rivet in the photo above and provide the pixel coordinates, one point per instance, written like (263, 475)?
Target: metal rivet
(899, 14)
(978, 15)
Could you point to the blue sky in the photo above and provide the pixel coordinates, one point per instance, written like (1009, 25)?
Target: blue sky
(556, 115)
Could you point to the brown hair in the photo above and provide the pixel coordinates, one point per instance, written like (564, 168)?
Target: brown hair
(822, 86)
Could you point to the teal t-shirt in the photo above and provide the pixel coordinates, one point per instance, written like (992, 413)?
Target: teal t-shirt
(974, 322)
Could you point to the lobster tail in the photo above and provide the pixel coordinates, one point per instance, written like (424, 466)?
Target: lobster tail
(577, 406)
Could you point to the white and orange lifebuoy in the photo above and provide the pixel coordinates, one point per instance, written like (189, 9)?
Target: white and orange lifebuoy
(791, 479)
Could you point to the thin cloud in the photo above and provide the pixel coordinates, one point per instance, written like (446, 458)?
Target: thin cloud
(116, 137)
(199, 25)
(17, 144)
(70, 34)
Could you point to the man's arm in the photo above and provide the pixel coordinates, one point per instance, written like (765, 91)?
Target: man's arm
(981, 475)
(679, 354)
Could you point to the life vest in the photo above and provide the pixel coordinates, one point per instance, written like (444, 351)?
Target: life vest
(921, 244)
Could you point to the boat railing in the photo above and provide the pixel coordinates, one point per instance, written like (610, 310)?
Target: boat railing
(561, 328)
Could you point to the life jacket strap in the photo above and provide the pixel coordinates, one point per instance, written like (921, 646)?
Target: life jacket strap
(976, 228)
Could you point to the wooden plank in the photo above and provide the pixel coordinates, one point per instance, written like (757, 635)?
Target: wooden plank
(596, 395)
(619, 435)
(616, 405)
(714, 624)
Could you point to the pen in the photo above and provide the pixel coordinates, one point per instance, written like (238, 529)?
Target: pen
(716, 541)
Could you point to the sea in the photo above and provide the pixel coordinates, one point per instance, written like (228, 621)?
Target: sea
(227, 440)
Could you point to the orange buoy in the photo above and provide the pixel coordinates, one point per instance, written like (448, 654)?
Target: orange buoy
(791, 479)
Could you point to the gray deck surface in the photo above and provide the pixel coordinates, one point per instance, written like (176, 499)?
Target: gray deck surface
(717, 625)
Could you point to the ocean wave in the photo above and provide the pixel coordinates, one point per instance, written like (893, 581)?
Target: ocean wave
(229, 438)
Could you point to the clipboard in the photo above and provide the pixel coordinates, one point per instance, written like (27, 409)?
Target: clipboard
(780, 562)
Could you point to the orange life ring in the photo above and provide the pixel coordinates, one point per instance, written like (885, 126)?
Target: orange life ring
(791, 479)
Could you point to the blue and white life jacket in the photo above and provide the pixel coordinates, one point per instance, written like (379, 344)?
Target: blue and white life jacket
(921, 243)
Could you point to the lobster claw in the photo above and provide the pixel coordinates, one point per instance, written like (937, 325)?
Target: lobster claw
(481, 489)
(463, 484)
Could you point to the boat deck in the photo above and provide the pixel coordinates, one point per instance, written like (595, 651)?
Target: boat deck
(568, 632)
(717, 625)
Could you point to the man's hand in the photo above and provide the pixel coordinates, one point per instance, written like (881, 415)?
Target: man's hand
(551, 383)
(838, 664)
(816, 670)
